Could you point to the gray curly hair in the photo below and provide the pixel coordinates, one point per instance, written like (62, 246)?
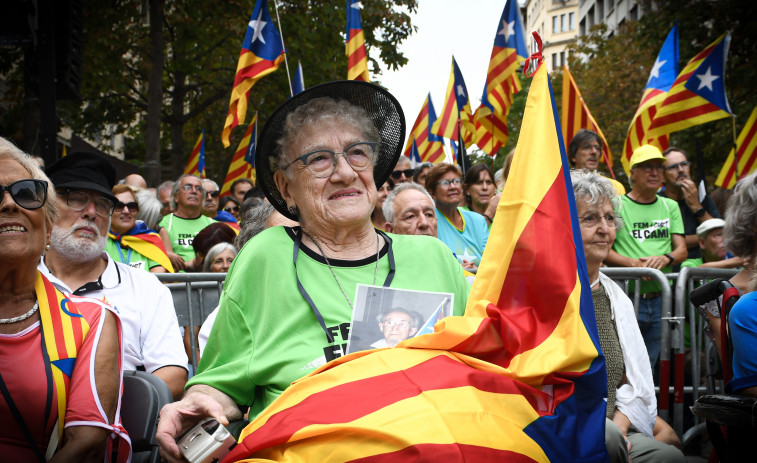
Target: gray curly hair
(741, 218)
(592, 188)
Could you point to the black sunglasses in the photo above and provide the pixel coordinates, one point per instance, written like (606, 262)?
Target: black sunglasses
(30, 194)
(214, 194)
(397, 174)
(231, 209)
(132, 206)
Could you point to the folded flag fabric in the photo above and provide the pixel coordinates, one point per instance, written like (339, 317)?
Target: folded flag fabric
(146, 242)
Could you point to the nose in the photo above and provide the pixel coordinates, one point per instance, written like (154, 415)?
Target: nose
(89, 210)
(343, 169)
(10, 203)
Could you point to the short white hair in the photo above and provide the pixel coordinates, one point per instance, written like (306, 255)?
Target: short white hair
(388, 207)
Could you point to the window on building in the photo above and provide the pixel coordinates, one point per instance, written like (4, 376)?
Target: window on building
(554, 24)
(563, 23)
(634, 13)
(554, 61)
(610, 4)
(572, 21)
(590, 16)
(562, 58)
(600, 11)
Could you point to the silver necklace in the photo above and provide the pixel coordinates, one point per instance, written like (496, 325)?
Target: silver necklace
(20, 318)
(344, 293)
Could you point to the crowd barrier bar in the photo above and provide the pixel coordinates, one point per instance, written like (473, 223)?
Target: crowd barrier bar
(199, 287)
(685, 284)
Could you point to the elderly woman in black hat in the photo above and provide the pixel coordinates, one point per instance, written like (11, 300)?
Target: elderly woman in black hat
(60, 356)
(289, 295)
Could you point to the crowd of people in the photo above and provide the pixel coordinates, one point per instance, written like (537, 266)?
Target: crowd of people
(335, 205)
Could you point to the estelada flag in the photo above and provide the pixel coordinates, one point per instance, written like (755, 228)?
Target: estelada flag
(357, 56)
(430, 146)
(146, 242)
(456, 112)
(262, 52)
(698, 93)
(243, 163)
(518, 378)
(746, 153)
(576, 115)
(661, 78)
(196, 162)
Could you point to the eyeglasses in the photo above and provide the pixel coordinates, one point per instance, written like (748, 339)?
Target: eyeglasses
(401, 323)
(189, 187)
(397, 174)
(446, 183)
(78, 200)
(231, 209)
(648, 167)
(132, 206)
(681, 165)
(213, 194)
(322, 163)
(30, 194)
(593, 220)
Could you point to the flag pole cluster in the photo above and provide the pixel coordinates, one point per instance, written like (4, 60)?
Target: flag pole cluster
(520, 377)
(357, 57)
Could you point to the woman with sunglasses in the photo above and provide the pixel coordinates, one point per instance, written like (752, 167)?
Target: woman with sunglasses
(131, 242)
(463, 231)
(56, 405)
(231, 205)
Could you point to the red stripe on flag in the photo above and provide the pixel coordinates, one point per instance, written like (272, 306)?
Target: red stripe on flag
(690, 113)
(430, 453)
(57, 323)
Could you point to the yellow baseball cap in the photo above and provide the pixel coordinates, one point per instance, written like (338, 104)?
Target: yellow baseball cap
(645, 153)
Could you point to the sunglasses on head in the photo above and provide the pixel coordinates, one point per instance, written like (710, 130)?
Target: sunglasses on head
(30, 194)
(397, 174)
(132, 206)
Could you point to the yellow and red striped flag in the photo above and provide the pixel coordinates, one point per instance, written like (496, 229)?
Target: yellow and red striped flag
(243, 163)
(491, 125)
(357, 56)
(430, 146)
(576, 115)
(196, 162)
(262, 52)
(661, 78)
(518, 378)
(698, 93)
(746, 153)
(456, 111)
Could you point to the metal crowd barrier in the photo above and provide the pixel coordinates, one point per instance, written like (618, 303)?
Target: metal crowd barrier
(623, 277)
(687, 279)
(195, 295)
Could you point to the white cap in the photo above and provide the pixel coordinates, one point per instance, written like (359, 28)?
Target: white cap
(708, 225)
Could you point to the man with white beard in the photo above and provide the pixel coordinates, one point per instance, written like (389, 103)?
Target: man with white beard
(76, 262)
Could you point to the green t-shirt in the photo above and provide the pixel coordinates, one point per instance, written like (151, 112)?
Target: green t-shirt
(266, 335)
(692, 262)
(128, 256)
(182, 233)
(648, 230)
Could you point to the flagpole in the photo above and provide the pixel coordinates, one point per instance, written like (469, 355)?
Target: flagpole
(735, 147)
(281, 34)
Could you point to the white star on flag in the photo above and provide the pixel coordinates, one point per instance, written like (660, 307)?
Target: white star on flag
(508, 29)
(706, 79)
(357, 5)
(257, 26)
(656, 68)
(460, 90)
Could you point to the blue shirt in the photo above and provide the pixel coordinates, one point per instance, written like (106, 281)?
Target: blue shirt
(743, 324)
(468, 243)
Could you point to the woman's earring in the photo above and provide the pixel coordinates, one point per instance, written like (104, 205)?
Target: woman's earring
(47, 247)
(294, 211)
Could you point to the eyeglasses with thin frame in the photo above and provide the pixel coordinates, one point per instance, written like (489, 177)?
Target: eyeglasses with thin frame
(401, 323)
(189, 187)
(649, 167)
(29, 194)
(133, 206)
(593, 220)
(681, 165)
(397, 174)
(322, 163)
(446, 182)
(78, 200)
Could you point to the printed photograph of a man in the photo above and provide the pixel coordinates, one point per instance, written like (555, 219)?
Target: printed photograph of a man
(397, 324)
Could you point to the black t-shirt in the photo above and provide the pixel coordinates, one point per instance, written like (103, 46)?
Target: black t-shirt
(690, 221)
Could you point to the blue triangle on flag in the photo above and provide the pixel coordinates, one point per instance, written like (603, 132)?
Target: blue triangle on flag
(65, 365)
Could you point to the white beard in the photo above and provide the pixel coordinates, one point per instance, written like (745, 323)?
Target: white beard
(75, 249)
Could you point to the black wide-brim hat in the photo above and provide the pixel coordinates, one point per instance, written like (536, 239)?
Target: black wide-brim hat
(382, 108)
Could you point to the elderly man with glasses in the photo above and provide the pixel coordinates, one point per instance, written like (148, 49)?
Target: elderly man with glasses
(681, 188)
(186, 220)
(652, 236)
(76, 263)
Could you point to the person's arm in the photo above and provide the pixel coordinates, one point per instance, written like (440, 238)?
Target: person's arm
(158, 269)
(690, 194)
(174, 377)
(176, 260)
(491, 208)
(199, 402)
(616, 260)
(664, 433)
(624, 424)
(680, 252)
(692, 241)
(733, 262)
(88, 443)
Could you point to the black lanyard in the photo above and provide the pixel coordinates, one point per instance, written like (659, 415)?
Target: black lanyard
(298, 243)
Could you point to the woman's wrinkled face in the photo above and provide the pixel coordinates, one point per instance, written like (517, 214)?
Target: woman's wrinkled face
(345, 197)
(450, 194)
(222, 262)
(597, 231)
(23, 232)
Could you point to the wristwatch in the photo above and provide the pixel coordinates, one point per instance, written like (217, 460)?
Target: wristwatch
(700, 213)
(669, 258)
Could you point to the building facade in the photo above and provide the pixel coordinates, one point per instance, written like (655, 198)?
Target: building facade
(613, 13)
(556, 21)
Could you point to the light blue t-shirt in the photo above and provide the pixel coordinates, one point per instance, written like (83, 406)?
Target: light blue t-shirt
(468, 243)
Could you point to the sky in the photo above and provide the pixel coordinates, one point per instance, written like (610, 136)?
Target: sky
(463, 28)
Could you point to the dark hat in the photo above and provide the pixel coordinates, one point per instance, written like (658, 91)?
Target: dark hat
(382, 108)
(86, 171)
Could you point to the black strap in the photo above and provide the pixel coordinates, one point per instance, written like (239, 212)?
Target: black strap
(306, 296)
(20, 420)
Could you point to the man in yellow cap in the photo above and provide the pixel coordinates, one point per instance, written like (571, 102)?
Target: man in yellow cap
(651, 236)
